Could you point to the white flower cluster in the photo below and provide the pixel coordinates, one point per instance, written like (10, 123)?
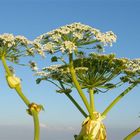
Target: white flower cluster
(52, 67)
(68, 38)
(22, 40)
(13, 47)
(133, 65)
(43, 74)
(9, 40)
(36, 48)
(68, 46)
(76, 29)
(106, 38)
(52, 72)
(49, 47)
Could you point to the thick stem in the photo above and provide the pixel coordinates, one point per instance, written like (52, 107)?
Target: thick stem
(133, 134)
(25, 100)
(76, 83)
(74, 102)
(91, 96)
(116, 100)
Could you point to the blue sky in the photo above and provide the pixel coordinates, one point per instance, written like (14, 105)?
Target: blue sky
(34, 17)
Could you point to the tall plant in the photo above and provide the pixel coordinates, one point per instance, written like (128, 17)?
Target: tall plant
(12, 48)
(70, 47)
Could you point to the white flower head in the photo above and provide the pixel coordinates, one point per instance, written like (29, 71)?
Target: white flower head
(69, 37)
(7, 40)
(68, 46)
(49, 47)
(36, 48)
(13, 47)
(106, 38)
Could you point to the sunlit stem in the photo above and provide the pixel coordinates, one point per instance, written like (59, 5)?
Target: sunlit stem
(133, 134)
(117, 99)
(91, 97)
(26, 101)
(74, 102)
(77, 85)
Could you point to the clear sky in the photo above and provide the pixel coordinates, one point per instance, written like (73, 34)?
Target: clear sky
(34, 17)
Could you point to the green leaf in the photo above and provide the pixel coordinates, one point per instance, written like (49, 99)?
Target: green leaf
(110, 85)
(67, 91)
(60, 91)
(54, 59)
(38, 80)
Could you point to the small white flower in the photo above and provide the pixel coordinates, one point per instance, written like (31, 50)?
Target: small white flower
(68, 45)
(133, 65)
(52, 68)
(43, 73)
(37, 47)
(7, 39)
(56, 37)
(49, 47)
(22, 40)
(78, 35)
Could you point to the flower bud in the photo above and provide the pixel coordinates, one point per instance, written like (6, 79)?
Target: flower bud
(13, 81)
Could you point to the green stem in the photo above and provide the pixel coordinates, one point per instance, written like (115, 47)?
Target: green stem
(74, 102)
(91, 96)
(76, 83)
(22, 96)
(131, 135)
(5, 66)
(117, 99)
(25, 100)
(77, 105)
(36, 125)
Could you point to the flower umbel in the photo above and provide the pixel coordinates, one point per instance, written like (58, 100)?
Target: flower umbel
(12, 47)
(94, 71)
(71, 37)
